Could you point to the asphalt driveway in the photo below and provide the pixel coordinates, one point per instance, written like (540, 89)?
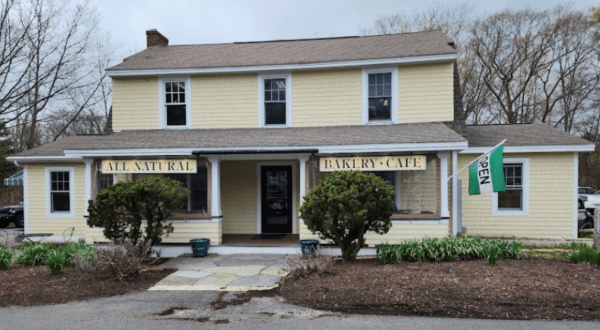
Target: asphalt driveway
(192, 310)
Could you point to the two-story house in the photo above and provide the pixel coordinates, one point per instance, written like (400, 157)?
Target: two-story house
(250, 127)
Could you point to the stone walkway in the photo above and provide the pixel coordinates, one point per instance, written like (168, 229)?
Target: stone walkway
(236, 272)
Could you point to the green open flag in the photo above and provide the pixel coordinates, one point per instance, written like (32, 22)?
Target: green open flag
(486, 175)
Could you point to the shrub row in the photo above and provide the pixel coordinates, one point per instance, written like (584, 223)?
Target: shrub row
(588, 254)
(449, 248)
(54, 257)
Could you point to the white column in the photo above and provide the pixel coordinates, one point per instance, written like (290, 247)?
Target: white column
(215, 204)
(88, 183)
(25, 199)
(303, 160)
(575, 194)
(443, 155)
(454, 193)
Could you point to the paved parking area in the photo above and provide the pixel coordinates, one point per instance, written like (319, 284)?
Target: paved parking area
(235, 272)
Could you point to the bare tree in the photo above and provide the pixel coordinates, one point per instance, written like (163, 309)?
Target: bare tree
(61, 73)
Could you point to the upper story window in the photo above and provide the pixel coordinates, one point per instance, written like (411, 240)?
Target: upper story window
(275, 106)
(175, 103)
(60, 197)
(380, 96)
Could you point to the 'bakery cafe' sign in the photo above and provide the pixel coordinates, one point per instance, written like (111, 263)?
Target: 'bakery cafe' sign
(386, 163)
(150, 166)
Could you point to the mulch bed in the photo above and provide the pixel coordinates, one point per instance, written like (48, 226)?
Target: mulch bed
(33, 286)
(513, 289)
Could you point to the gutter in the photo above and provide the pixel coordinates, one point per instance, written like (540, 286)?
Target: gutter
(254, 152)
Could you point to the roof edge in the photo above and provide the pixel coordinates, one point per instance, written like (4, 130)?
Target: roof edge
(534, 148)
(303, 66)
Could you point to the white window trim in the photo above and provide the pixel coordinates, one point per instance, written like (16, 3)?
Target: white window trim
(162, 107)
(365, 95)
(288, 98)
(71, 213)
(525, 182)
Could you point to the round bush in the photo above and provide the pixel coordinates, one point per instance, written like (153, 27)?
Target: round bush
(345, 206)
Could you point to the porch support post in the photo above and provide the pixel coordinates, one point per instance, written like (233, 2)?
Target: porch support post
(215, 204)
(88, 183)
(443, 155)
(303, 160)
(454, 192)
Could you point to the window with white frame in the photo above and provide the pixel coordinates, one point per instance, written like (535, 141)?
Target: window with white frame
(512, 198)
(274, 98)
(175, 103)
(515, 199)
(380, 96)
(59, 192)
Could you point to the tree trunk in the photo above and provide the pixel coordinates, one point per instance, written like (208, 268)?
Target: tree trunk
(596, 233)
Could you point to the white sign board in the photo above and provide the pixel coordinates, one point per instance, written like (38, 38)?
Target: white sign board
(384, 163)
(149, 166)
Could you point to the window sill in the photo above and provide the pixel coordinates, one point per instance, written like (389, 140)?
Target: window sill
(380, 122)
(176, 127)
(60, 215)
(510, 213)
(416, 217)
(275, 126)
(190, 216)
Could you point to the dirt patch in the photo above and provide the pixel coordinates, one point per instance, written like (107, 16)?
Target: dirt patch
(33, 286)
(240, 298)
(513, 289)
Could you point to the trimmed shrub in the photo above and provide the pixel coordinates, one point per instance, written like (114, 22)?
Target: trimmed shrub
(6, 257)
(345, 206)
(121, 208)
(449, 248)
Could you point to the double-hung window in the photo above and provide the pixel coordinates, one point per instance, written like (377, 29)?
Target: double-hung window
(274, 99)
(59, 192)
(175, 103)
(380, 96)
(515, 200)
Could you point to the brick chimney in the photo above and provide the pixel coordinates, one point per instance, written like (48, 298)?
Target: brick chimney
(154, 39)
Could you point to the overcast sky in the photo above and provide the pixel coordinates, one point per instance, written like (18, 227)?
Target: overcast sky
(220, 21)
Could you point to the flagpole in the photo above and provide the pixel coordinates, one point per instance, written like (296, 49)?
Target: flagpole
(476, 159)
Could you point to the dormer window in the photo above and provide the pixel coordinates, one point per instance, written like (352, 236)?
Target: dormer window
(274, 101)
(380, 96)
(175, 103)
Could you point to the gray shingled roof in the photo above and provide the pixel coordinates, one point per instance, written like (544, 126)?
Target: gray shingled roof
(289, 51)
(254, 137)
(536, 134)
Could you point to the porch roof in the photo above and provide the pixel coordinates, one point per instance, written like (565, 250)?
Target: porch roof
(520, 135)
(428, 135)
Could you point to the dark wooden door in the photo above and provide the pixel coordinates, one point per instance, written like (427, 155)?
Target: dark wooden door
(276, 199)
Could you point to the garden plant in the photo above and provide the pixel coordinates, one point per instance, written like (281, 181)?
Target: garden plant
(6, 256)
(135, 211)
(449, 248)
(345, 206)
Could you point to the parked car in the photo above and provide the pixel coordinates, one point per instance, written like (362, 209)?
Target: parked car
(12, 213)
(589, 198)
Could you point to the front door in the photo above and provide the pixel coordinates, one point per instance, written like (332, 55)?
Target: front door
(276, 199)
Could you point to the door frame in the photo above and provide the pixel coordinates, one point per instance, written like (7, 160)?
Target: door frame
(259, 193)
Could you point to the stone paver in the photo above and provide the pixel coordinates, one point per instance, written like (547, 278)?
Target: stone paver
(224, 273)
(238, 270)
(257, 280)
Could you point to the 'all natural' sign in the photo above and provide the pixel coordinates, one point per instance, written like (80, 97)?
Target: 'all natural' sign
(149, 166)
(385, 163)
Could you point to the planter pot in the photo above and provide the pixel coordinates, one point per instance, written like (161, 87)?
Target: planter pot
(309, 247)
(200, 247)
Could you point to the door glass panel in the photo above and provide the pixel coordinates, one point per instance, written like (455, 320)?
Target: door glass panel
(277, 200)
